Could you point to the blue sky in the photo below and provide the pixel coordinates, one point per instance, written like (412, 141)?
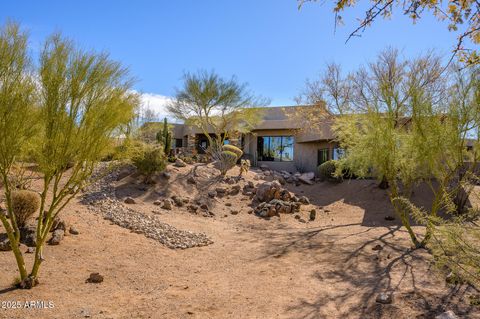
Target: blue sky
(268, 43)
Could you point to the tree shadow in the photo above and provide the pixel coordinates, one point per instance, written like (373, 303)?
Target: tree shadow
(355, 266)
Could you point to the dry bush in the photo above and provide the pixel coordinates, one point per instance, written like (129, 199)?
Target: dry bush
(24, 204)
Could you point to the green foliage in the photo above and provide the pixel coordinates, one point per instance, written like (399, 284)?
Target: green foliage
(24, 204)
(149, 160)
(454, 242)
(233, 149)
(164, 137)
(228, 160)
(328, 172)
(214, 104)
(63, 116)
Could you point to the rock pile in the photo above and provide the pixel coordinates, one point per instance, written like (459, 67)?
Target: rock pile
(284, 177)
(271, 200)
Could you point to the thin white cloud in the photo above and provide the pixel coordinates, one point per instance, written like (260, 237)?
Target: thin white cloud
(158, 104)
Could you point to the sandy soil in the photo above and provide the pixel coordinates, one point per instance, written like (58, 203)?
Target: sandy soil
(256, 268)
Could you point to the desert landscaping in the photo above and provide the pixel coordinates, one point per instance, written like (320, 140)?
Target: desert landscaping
(191, 246)
(141, 177)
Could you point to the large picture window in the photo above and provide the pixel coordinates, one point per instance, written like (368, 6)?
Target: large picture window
(275, 148)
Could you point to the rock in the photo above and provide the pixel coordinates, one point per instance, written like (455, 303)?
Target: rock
(192, 208)
(59, 224)
(228, 204)
(279, 178)
(234, 212)
(129, 200)
(297, 216)
(30, 250)
(313, 215)
(250, 211)
(179, 163)
(285, 195)
(234, 190)
(28, 235)
(388, 217)
(384, 298)
(221, 191)
(267, 191)
(4, 243)
(212, 194)
(191, 180)
(304, 200)
(167, 204)
(57, 237)
(73, 231)
(447, 315)
(290, 180)
(377, 247)
(157, 202)
(178, 201)
(301, 220)
(307, 178)
(264, 210)
(167, 175)
(264, 167)
(94, 278)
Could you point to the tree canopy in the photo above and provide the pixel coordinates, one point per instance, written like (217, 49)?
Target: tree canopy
(215, 104)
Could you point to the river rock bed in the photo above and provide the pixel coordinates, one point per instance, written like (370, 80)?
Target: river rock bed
(100, 198)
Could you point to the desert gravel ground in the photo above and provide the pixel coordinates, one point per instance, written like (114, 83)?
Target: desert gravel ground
(253, 268)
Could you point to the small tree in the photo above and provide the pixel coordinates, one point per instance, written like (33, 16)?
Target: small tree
(83, 99)
(216, 105)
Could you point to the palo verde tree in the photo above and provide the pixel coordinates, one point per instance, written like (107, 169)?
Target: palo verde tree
(18, 115)
(372, 108)
(463, 17)
(82, 99)
(216, 105)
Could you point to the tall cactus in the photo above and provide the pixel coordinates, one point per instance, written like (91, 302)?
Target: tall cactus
(164, 137)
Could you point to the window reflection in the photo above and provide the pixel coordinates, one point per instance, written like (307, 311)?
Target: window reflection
(275, 148)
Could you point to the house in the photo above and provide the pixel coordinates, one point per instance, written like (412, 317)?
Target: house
(280, 141)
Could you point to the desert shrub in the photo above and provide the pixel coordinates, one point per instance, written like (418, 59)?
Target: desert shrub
(233, 149)
(149, 161)
(244, 166)
(327, 172)
(172, 159)
(24, 204)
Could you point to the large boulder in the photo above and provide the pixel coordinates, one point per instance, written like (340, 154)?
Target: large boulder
(307, 178)
(268, 191)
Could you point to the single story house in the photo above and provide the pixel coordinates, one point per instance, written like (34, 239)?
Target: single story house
(279, 141)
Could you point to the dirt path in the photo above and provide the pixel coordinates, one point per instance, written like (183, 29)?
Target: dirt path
(256, 268)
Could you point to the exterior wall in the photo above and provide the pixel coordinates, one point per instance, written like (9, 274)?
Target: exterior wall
(305, 155)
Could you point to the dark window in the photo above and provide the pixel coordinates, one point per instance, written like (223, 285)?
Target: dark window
(178, 142)
(275, 148)
(322, 156)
